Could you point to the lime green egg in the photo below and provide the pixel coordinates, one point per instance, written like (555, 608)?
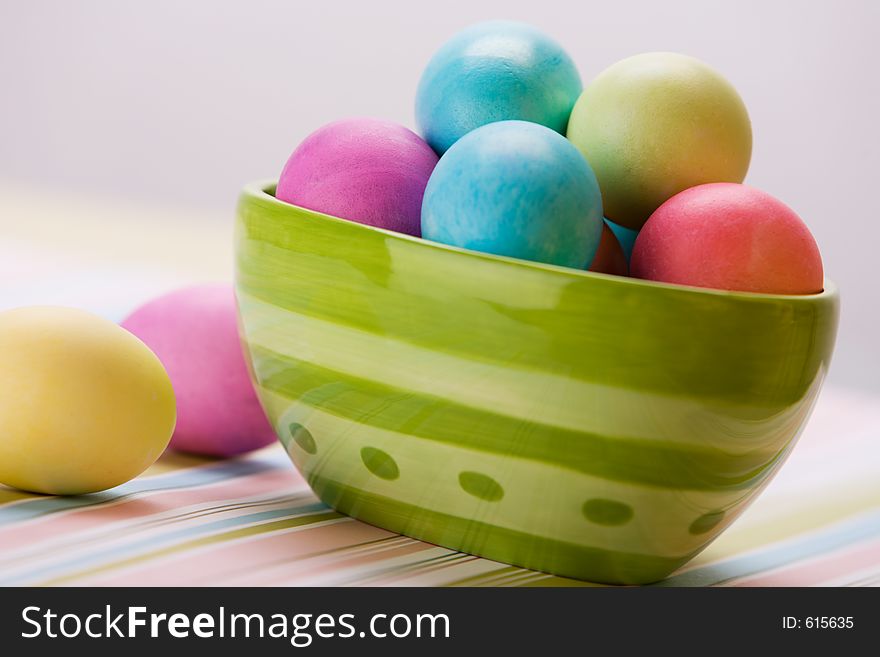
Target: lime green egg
(656, 124)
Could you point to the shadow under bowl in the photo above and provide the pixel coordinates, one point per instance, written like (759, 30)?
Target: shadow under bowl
(590, 426)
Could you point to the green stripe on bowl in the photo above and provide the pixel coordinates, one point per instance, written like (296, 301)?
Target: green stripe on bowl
(505, 389)
(502, 544)
(514, 493)
(760, 350)
(613, 457)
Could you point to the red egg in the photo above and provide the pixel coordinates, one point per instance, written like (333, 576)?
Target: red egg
(729, 237)
(610, 257)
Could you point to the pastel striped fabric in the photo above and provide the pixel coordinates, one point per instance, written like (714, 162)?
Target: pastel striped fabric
(253, 521)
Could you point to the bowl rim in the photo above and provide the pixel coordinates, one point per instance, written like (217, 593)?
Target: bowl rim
(264, 191)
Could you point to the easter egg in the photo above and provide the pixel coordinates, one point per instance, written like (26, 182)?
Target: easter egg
(517, 189)
(495, 71)
(655, 124)
(729, 237)
(609, 258)
(84, 405)
(365, 170)
(194, 332)
(625, 236)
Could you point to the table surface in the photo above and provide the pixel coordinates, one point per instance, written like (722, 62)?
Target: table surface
(253, 520)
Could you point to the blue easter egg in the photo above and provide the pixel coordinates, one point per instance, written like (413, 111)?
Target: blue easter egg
(495, 71)
(626, 237)
(517, 189)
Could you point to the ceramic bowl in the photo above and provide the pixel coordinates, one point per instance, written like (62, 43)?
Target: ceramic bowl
(585, 425)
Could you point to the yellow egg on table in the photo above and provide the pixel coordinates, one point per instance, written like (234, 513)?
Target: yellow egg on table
(84, 405)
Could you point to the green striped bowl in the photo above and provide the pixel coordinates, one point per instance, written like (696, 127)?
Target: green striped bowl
(589, 426)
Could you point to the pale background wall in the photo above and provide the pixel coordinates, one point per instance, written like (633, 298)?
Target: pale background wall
(178, 103)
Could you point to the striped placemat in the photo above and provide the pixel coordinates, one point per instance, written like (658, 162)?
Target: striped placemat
(253, 520)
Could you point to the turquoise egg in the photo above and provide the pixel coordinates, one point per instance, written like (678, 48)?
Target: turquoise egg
(516, 189)
(626, 237)
(495, 71)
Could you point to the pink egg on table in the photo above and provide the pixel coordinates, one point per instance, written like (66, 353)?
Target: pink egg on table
(366, 170)
(730, 237)
(194, 333)
(610, 257)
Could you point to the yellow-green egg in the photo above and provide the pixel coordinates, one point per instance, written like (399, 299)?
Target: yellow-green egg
(84, 404)
(655, 124)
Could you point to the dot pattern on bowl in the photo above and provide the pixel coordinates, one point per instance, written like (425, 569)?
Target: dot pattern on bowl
(607, 512)
(481, 486)
(380, 463)
(600, 511)
(706, 522)
(303, 437)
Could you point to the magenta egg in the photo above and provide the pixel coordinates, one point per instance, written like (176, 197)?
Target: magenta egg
(365, 170)
(194, 333)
